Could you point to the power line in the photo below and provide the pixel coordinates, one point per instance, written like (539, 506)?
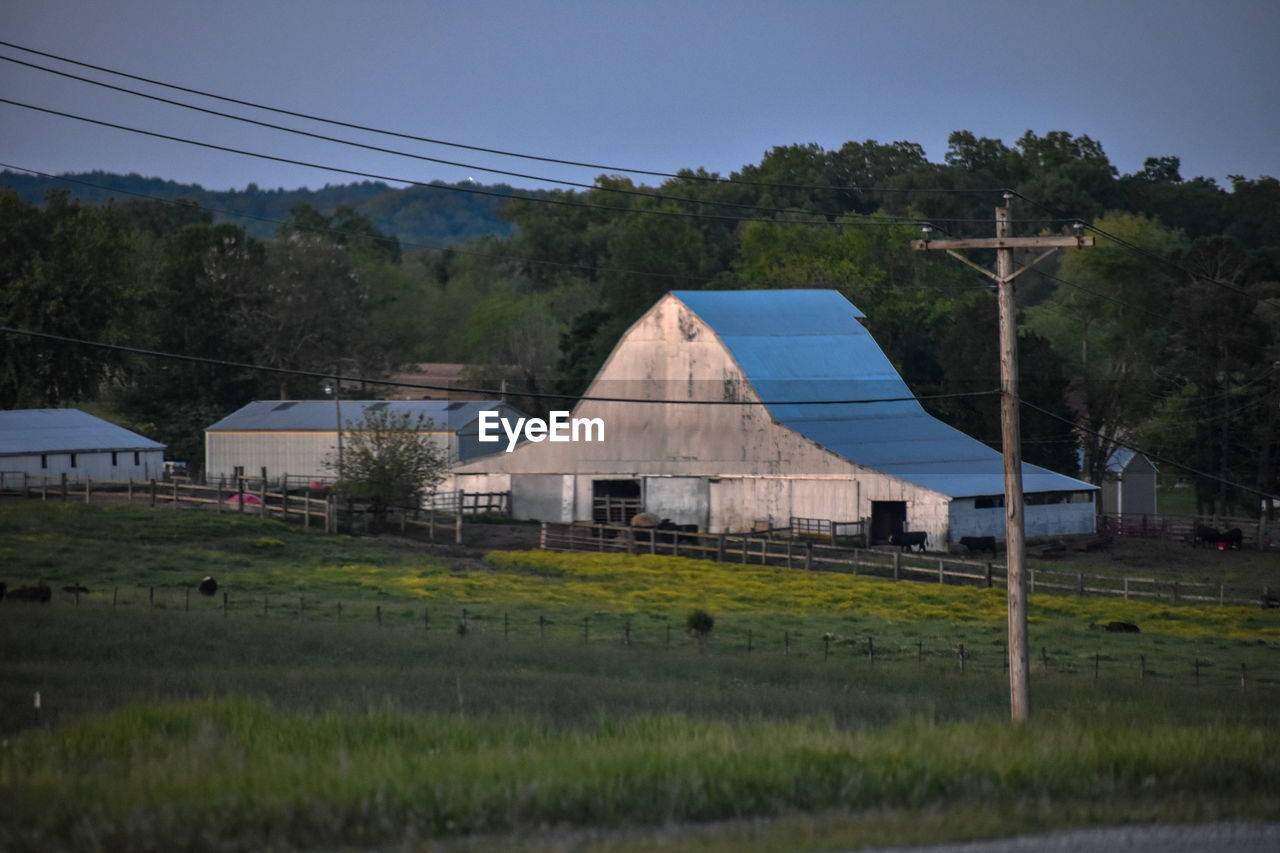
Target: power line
(312, 374)
(233, 214)
(1133, 247)
(411, 155)
(688, 176)
(1150, 455)
(844, 221)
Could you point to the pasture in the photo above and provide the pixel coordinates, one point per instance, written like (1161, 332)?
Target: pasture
(338, 696)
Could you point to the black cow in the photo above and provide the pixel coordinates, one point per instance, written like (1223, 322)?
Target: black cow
(1116, 627)
(207, 586)
(41, 594)
(909, 540)
(1206, 536)
(1232, 539)
(979, 543)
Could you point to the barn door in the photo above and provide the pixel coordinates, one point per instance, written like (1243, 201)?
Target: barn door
(887, 518)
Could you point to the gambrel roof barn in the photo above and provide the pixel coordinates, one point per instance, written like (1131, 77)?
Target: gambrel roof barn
(766, 405)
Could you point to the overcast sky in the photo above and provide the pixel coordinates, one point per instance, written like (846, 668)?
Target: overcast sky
(638, 85)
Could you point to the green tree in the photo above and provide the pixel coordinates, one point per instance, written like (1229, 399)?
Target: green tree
(388, 459)
(64, 270)
(1109, 320)
(189, 306)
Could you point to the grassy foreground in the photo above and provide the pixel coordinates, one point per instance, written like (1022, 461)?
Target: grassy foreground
(234, 771)
(294, 719)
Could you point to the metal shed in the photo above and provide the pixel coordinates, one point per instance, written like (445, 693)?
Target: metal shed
(763, 405)
(48, 443)
(295, 437)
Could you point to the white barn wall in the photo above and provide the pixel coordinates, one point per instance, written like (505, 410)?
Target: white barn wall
(95, 465)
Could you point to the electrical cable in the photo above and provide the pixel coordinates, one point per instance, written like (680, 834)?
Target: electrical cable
(312, 374)
(477, 148)
(1151, 455)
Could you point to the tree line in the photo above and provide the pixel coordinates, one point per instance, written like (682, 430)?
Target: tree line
(1165, 335)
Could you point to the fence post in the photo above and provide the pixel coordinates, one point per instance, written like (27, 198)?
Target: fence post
(720, 548)
(240, 494)
(962, 658)
(153, 491)
(808, 556)
(941, 576)
(262, 495)
(1175, 592)
(542, 535)
(457, 522)
(1080, 583)
(988, 576)
(1126, 589)
(897, 565)
(88, 489)
(833, 531)
(64, 485)
(571, 536)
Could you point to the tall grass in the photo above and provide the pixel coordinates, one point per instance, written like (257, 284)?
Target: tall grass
(243, 773)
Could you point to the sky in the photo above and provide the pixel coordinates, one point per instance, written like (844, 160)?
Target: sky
(647, 84)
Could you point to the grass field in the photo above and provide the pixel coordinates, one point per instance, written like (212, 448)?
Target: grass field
(335, 700)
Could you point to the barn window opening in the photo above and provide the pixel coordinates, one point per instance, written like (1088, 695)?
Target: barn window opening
(114, 458)
(988, 501)
(614, 501)
(44, 460)
(136, 460)
(73, 460)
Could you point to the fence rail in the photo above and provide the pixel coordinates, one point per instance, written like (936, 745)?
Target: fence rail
(1183, 527)
(889, 563)
(314, 503)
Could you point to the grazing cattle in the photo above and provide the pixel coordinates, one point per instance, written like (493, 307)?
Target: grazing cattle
(207, 586)
(3, 587)
(1116, 627)
(979, 543)
(40, 594)
(1206, 536)
(1232, 539)
(909, 540)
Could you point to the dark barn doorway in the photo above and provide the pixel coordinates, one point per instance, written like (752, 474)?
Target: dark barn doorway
(887, 518)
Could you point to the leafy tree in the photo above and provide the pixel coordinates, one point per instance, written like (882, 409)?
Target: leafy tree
(1109, 322)
(389, 460)
(188, 305)
(64, 270)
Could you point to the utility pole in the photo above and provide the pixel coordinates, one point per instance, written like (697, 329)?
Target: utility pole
(1010, 427)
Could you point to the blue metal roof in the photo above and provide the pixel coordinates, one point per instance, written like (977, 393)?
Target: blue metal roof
(27, 431)
(808, 345)
(322, 415)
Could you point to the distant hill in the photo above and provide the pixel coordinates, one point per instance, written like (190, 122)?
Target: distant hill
(434, 215)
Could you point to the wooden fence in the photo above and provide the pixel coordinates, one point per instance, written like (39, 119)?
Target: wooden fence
(1182, 528)
(889, 563)
(315, 507)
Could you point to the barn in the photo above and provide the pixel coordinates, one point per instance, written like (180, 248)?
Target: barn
(295, 437)
(48, 443)
(735, 410)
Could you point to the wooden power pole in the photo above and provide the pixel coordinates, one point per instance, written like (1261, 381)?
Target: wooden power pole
(1010, 427)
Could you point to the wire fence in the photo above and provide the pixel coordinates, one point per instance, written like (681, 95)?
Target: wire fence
(1110, 657)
